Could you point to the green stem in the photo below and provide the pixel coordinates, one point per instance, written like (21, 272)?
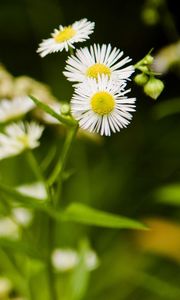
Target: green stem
(36, 169)
(51, 280)
(51, 276)
(67, 120)
(59, 168)
(34, 166)
(57, 172)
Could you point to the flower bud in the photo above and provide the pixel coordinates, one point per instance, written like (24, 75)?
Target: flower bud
(141, 79)
(148, 60)
(65, 109)
(143, 69)
(153, 88)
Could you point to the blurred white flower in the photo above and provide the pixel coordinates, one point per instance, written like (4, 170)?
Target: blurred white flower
(65, 37)
(167, 57)
(101, 106)
(66, 259)
(5, 287)
(98, 60)
(23, 216)
(19, 136)
(6, 83)
(8, 228)
(14, 108)
(35, 189)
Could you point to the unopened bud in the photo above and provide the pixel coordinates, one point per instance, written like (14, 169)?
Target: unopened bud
(65, 109)
(148, 60)
(153, 88)
(143, 69)
(141, 79)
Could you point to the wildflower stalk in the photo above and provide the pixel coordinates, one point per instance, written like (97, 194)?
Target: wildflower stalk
(57, 174)
(51, 276)
(66, 120)
(59, 168)
(36, 169)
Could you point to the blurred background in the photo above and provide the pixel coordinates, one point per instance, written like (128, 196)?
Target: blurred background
(135, 173)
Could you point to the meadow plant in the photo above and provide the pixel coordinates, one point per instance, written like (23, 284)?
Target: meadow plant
(101, 104)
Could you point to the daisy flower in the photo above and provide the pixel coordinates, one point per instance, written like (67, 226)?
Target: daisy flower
(101, 106)
(65, 37)
(19, 136)
(97, 60)
(12, 109)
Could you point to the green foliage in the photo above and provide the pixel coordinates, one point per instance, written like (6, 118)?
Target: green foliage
(83, 214)
(123, 174)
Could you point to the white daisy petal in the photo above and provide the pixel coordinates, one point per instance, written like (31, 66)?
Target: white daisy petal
(65, 37)
(19, 136)
(101, 105)
(97, 60)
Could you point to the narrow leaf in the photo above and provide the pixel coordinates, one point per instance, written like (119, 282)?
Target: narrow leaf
(81, 213)
(63, 119)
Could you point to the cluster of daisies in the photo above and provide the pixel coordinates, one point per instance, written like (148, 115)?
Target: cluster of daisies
(99, 75)
(100, 104)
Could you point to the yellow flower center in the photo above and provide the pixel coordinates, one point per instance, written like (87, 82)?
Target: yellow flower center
(66, 34)
(102, 103)
(24, 140)
(96, 69)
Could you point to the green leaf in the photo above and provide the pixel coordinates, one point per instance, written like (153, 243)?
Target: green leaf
(81, 213)
(76, 212)
(67, 120)
(169, 194)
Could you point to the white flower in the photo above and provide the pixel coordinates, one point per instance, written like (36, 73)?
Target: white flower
(101, 106)
(19, 136)
(98, 60)
(35, 189)
(65, 37)
(12, 109)
(8, 228)
(23, 216)
(66, 259)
